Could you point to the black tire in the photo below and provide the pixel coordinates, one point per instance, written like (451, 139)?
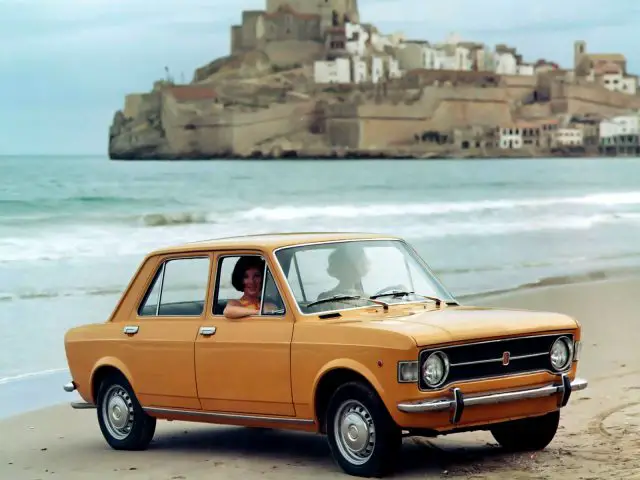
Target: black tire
(528, 434)
(367, 409)
(137, 428)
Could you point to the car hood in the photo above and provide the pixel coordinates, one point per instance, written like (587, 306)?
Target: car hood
(459, 324)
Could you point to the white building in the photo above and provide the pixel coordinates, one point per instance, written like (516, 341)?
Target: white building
(506, 63)
(449, 55)
(379, 42)
(332, 71)
(511, 137)
(377, 69)
(393, 67)
(565, 137)
(526, 69)
(360, 70)
(616, 82)
(620, 125)
(357, 38)
(452, 57)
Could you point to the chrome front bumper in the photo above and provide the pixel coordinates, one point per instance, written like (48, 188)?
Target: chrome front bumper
(458, 402)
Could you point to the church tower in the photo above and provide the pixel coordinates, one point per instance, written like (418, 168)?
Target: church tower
(579, 51)
(336, 13)
(353, 11)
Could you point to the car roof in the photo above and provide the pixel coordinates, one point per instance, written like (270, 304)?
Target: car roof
(270, 241)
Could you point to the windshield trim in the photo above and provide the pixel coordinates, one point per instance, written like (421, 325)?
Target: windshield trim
(411, 252)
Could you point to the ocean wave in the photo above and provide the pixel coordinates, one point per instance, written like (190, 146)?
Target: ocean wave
(50, 294)
(25, 376)
(91, 241)
(290, 212)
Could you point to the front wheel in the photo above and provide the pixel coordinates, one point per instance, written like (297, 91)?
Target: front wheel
(527, 434)
(363, 438)
(123, 422)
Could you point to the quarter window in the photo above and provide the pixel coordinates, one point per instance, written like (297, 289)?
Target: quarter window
(178, 289)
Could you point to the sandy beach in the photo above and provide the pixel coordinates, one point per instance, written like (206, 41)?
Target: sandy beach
(599, 436)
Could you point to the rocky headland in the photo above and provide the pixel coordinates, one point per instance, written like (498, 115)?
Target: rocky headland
(264, 100)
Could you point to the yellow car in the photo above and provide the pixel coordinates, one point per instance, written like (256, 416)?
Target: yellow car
(343, 334)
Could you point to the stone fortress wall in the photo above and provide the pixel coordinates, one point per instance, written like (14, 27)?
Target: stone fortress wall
(376, 124)
(210, 129)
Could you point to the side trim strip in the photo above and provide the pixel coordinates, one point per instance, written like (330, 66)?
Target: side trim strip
(228, 416)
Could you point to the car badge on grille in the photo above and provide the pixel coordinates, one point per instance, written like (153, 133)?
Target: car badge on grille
(506, 357)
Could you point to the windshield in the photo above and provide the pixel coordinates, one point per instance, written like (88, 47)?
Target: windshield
(343, 275)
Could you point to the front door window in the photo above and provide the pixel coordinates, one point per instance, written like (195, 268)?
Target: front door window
(247, 281)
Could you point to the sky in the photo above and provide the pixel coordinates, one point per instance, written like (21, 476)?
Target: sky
(66, 65)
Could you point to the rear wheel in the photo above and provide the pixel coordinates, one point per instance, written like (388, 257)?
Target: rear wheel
(123, 422)
(527, 434)
(364, 439)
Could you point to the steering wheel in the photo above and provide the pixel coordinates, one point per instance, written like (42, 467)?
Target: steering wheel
(391, 288)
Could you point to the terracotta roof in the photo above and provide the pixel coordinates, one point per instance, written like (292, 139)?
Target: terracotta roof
(607, 68)
(186, 93)
(286, 9)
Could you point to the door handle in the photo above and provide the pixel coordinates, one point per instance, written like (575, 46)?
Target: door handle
(207, 331)
(130, 329)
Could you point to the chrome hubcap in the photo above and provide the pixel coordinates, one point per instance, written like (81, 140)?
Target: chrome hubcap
(355, 432)
(117, 412)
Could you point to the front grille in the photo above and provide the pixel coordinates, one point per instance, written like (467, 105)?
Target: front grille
(475, 361)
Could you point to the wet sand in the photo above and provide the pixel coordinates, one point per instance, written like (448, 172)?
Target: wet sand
(599, 436)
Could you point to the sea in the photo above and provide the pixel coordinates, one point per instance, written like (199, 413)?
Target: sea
(74, 229)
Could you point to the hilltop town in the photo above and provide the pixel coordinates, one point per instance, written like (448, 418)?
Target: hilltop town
(307, 78)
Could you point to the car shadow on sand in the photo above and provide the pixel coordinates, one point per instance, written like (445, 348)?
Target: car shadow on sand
(286, 448)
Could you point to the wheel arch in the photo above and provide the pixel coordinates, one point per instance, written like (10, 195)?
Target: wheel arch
(333, 375)
(102, 368)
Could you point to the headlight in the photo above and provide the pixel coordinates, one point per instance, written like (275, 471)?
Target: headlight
(435, 369)
(561, 353)
(407, 372)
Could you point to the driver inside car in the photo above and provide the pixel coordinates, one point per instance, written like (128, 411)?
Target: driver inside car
(347, 264)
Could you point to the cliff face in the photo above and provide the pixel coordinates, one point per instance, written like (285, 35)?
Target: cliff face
(137, 132)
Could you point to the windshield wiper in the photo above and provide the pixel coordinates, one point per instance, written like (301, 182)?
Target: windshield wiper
(334, 298)
(401, 293)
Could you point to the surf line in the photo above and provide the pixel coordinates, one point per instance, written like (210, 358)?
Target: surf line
(23, 376)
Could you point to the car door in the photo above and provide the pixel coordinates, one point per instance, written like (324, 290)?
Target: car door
(243, 365)
(158, 347)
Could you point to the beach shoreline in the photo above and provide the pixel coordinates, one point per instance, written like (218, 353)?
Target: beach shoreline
(598, 438)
